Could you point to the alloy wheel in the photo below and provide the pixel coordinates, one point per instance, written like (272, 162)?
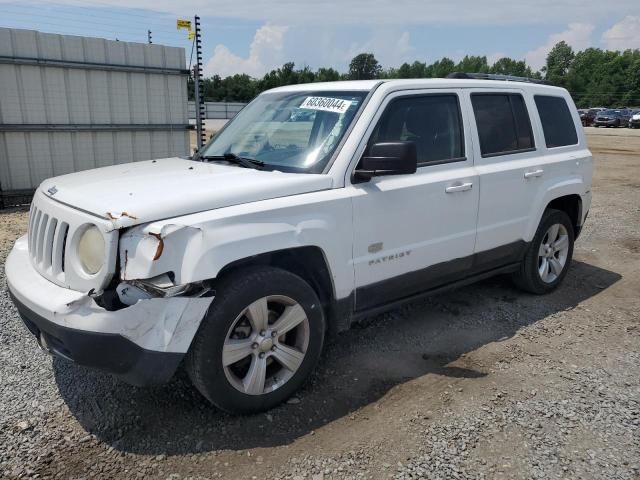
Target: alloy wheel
(266, 345)
(553, 253)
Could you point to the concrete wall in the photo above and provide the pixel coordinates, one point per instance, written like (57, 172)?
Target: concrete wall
(72, 103)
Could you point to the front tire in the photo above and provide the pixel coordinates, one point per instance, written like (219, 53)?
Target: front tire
(259, 341)
(549, 255)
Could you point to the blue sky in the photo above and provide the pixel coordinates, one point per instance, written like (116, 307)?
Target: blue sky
(254, 36)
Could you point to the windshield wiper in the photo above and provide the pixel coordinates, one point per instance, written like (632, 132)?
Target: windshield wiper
(233, 158)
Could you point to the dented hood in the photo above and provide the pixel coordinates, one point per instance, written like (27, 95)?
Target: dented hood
(140, 192)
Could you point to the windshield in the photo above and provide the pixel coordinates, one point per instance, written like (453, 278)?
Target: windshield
(291, 131)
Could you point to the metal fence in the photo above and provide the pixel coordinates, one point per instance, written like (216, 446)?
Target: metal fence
(71, 103)
(217, 110)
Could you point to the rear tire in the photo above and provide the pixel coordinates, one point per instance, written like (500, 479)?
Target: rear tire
(259, 341)
(549, 255)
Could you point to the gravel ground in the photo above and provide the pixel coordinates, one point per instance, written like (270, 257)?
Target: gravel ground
(483, 382)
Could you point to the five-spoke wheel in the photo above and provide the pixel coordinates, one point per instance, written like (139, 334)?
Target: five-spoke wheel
(266, 345)
(259, 341)
(549, 255)
(553, 252)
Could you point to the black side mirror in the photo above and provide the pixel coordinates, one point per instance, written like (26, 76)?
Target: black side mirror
(389, 158)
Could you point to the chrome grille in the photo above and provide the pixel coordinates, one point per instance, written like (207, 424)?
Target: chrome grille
(53, 235)
(47, 239)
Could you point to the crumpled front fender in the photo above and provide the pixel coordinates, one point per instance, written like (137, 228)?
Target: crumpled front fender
(147, 252)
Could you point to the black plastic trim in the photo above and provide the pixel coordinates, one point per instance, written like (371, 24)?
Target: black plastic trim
(411, 284)
(433, 291)
(441, 162)
(341, 314)
(109, 352)
(508, 152)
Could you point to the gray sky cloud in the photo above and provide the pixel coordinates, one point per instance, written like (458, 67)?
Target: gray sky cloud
(382, 12)
(624, 34)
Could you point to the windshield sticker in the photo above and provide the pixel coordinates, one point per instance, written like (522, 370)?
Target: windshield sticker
(336, 105)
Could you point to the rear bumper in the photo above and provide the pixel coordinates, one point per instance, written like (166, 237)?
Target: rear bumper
(143, 343)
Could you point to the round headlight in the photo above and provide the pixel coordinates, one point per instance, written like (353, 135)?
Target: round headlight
(91, 250)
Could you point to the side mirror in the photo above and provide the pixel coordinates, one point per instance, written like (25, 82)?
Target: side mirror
(389, 158)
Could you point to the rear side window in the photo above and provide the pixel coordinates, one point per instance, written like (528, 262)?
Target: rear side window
(503, 123)
(432, 122)
(557, 123)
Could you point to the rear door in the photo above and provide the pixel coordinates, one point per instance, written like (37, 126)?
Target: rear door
(509, 173)
(414, 232)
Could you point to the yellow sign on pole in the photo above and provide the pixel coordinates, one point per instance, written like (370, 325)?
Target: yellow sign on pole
(192, 34)
(183, 24)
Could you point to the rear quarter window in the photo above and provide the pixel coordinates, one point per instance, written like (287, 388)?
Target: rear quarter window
(557, 122)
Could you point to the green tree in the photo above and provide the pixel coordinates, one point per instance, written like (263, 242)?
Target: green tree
(404, 71)
(559, 62)
(327, 75)
(414, 70)
(364, 67)
(508, 66)
(473, 64)
(594, 77)
(238, 88)
(442, 68)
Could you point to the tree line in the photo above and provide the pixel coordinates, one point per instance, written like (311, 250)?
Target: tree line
(595, 77)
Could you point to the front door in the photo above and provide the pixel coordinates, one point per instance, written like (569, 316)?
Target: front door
(415, 232)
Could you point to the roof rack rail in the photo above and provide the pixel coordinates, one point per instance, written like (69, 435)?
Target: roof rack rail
(495, 76)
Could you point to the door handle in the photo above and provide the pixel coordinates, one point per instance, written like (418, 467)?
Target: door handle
(461, 187)
(534, 173)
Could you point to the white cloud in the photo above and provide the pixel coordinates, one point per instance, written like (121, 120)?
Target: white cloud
(389, 46)
(273, 45)
(578, 35)
(265, 53)
(624, 34)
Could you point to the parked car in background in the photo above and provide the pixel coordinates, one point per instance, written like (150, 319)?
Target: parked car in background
(634, 121)
(588, 115)
(626, 114)
(610, 118)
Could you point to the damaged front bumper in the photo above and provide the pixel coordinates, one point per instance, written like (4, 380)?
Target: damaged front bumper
(142, 343)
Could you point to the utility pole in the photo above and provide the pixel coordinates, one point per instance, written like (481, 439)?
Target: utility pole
(149, 36)
(197, 80)
(196, 97)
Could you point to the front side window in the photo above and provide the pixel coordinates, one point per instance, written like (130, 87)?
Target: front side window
(433, 122)
(503, 123)
(557, 123)
(289, 131)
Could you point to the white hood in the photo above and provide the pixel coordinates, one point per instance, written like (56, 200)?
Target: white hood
(152, 190)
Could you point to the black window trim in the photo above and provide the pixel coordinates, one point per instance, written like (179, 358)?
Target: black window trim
(542, 126)
(524, 102)
(456, 94)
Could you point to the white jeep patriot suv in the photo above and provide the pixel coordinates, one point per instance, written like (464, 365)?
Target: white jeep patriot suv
(318, 204)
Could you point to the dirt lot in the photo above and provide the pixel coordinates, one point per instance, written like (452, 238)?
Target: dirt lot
(483, 382)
